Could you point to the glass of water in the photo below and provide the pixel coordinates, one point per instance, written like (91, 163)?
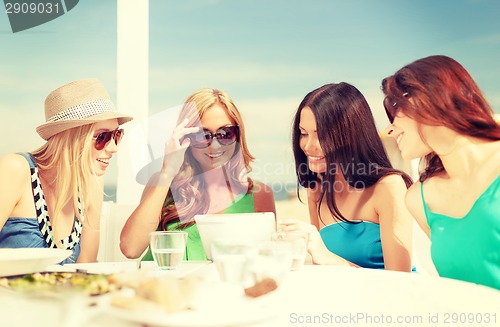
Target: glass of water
(298, 241)
(168, 248)
(230, 257)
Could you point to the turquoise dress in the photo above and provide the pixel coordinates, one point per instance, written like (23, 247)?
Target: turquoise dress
(244, 202)
(468, 248)
(358, 243)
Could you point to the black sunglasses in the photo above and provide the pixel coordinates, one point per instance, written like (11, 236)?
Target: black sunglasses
(391, 107)
(226, 135)
(102, 139)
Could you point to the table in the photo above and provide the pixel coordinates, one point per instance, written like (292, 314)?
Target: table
(359, 297)
(312, 296)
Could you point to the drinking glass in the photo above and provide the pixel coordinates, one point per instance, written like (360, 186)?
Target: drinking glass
(168, 248)
(272, 260)
(231, 258)
(298, 241)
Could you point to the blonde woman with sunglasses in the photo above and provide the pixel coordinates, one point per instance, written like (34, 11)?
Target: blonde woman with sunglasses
(205, 170)
(52, 197)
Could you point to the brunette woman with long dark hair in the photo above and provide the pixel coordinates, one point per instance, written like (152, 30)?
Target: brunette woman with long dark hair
(355, 196)
(438, 113)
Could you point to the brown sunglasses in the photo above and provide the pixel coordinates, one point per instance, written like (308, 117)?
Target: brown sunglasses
(102, 139)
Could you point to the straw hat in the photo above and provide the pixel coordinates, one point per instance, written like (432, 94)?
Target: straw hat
(76, 104)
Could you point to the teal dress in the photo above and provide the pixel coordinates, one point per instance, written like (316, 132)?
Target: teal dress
(468, 248)
(358, 243)
(244, 202)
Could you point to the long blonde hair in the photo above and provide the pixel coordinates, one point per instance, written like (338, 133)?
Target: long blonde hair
(187, 195)
(70, 154)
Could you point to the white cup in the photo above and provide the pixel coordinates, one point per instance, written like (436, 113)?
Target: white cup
(168, 248)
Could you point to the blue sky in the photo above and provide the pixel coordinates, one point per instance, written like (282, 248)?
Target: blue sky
(266, 54)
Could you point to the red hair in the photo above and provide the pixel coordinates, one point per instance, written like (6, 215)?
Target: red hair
(442, 93)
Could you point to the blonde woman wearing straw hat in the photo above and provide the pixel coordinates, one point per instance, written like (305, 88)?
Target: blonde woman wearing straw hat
(52, 197)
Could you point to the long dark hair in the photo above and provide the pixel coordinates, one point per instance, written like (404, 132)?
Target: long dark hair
(442, 93)
(349, 139)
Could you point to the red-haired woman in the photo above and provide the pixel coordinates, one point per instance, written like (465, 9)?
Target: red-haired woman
(438, 113)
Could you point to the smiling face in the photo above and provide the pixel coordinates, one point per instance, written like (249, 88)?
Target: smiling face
(215, 155)
(309, 142)
(101, 158)
(405, 131)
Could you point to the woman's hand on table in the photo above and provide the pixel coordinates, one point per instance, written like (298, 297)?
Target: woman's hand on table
(315, 243)
(316, 247)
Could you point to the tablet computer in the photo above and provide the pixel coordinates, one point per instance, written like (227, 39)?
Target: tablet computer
(247, 227)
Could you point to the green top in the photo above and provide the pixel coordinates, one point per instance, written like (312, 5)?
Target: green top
(244, 202)
(468, 248)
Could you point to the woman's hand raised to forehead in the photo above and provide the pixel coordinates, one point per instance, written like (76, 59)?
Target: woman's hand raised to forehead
(176, 146)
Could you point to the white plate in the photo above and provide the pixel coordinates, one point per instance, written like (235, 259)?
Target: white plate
(219, 309)
(29, 260)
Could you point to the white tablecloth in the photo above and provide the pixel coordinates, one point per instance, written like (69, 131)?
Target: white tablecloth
(311, 296)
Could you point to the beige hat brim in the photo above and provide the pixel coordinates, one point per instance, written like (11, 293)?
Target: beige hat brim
(50, 129)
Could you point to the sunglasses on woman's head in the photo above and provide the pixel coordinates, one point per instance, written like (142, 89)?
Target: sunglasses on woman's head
(102, 139)
(226, 135)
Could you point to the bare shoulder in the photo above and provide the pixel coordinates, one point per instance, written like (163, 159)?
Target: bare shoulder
(413, 201)
(264, 198)
(15, 176)
(261, 187)
(413, 194)
(388, 195)
(13, 160)
(390, 184)
(14, 164)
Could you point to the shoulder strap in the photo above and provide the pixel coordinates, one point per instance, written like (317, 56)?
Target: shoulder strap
(423, 198)
(427, 213)
(42, 211)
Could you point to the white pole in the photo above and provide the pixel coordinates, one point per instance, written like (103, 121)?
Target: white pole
(132, 86)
